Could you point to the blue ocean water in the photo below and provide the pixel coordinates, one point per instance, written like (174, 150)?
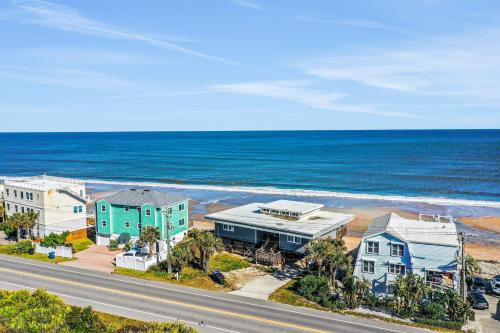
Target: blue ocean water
(456, 164)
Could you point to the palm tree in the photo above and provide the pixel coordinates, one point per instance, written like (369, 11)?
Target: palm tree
(472, 268)
(149, 235)
(30, 221)
(207, 244)
(336, 257)
(16, 221)
(2, 212)
(409, 291)
(317, 252)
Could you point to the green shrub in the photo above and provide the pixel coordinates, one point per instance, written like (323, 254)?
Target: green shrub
(84, 321)
(124, 238)
(452, 325)
(7, 229)
(53, 240)
(156, 327)
(433, 311)
(25, 246)
(315, 288)
(113, 245)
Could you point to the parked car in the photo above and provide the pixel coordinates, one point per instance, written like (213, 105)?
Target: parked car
(478, 301)
(218, 277)
(478, 285)
(495, 285)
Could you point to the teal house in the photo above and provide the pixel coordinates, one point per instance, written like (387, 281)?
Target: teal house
(131, 210)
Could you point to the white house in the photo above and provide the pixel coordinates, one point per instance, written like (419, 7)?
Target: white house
(59, 201)
(394, 246)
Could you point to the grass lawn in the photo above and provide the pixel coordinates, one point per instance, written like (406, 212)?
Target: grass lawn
(8, 249)
(193, 277)
(81, 244)
(287, 295)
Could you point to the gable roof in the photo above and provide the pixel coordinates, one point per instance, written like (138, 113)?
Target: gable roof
(139, 197)
(414, 230)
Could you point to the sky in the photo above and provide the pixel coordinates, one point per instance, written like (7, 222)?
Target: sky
(177, 65)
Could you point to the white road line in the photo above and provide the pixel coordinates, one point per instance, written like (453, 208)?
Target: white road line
(123, 308)
(209, 296)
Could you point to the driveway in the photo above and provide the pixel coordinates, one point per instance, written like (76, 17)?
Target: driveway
(263, 286)
(97, 258)
(488, 321)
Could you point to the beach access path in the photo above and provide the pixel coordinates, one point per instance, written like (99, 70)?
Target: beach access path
(207, 311)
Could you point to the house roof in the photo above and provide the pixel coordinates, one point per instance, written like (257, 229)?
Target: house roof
(312, 225)
(292, 206)
(417, 231)
(139, 197)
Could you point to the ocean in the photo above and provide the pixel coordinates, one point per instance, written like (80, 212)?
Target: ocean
(448, 167)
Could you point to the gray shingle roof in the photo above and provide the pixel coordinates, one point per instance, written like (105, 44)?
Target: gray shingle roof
(139, 197)
(378, 225)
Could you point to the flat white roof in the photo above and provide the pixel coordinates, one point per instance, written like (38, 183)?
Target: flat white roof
(292, 206)
(313, 225)
(42, 183)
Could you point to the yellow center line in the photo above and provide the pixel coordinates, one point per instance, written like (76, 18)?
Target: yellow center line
(157, 299)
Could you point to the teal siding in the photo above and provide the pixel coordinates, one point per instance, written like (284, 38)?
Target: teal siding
(116, 219)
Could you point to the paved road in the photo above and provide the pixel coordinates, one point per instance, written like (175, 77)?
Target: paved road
(147, 300)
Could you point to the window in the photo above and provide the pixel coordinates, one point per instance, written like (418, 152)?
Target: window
(293, 239)
(7, 191)
(15, 208)
(181, 222)
(368, 267)
(103, 208)
(397, 269)
(372, 247)
(104, 223)
(127, 224)
(80, 209)
(181, 207)
(139, 226)
(22, 208)
(169, 210)
(228, 227)
(22, 195)
(125, 209)
(75, 209)
(397, 250)
(37, 196)
(8, 206)
(148, 212)
(15, 193)
(31, 196)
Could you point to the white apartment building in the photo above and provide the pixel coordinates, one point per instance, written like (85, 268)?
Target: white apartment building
(60, 202)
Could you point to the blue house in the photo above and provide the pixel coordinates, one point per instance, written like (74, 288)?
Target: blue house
(394, 246)
(282, 225)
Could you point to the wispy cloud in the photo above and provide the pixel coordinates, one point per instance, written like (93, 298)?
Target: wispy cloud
(356, 23)
(464, 66)
(70, 78)
(64, 18)
(247, 4)
(302, 92)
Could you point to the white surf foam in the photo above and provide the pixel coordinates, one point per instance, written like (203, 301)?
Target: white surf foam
(301, 193)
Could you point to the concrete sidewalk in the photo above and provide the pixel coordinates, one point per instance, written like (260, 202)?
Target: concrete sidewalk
(97, 258)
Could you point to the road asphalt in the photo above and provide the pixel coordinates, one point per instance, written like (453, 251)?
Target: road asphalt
(205, 310)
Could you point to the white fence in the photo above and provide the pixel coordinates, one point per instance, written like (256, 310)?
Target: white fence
(139, 263)
(61, 251)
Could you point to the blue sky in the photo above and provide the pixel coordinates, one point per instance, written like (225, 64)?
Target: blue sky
(248, 65)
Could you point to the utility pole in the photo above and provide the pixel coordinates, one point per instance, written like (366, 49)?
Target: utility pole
(169, 265)
(463, 284)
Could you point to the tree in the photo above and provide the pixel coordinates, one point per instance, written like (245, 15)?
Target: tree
(316, 251)
(355, 290)
(315, 288)
(149, 236)
(472, 267)
(2, 212)
(455, 307)
(336, 258)
(181, 255)
(206, 244)
(30, 221)
(408, 292)
(16, 221)
(84, 320)
(23, 311)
